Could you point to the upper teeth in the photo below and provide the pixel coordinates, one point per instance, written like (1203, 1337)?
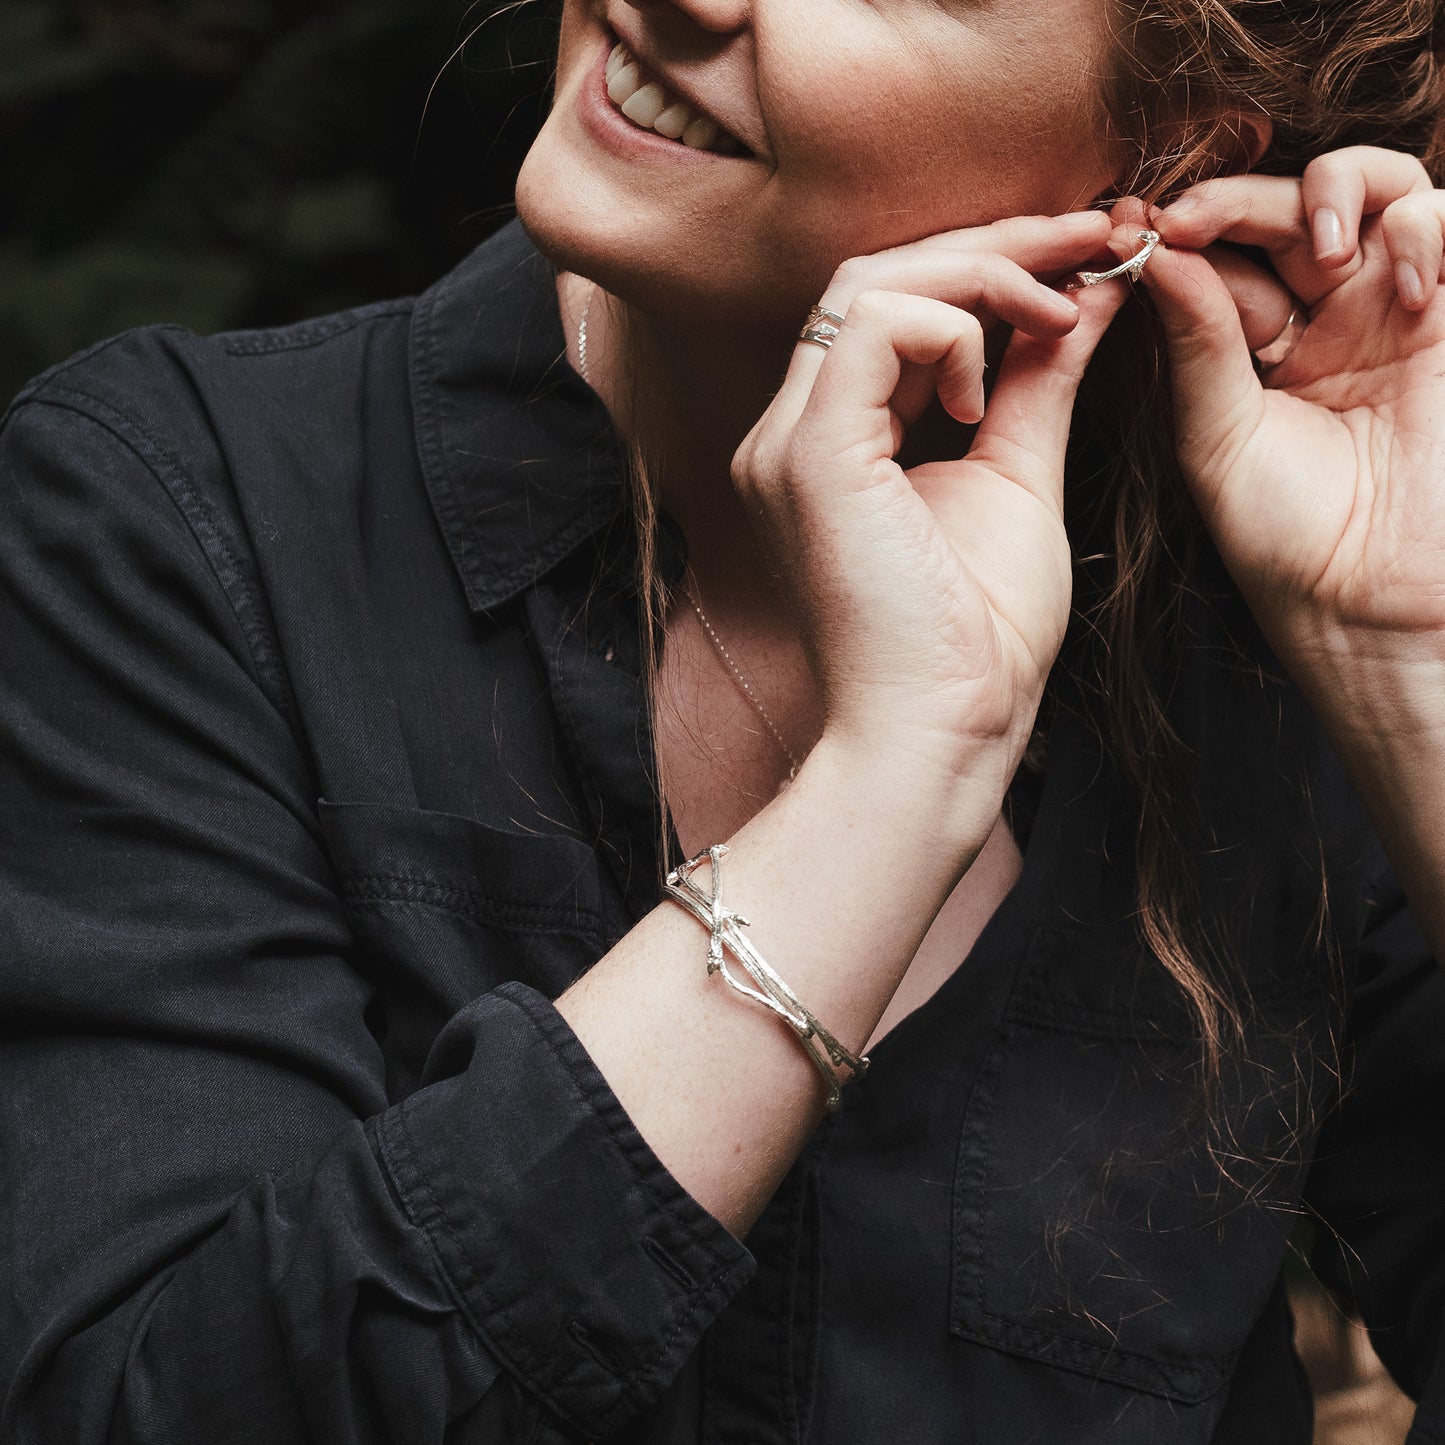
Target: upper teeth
(644, 102)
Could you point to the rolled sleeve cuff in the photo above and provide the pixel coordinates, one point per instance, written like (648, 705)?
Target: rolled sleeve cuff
(580, 1261)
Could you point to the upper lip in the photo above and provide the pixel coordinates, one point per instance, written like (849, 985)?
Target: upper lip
(670, 83)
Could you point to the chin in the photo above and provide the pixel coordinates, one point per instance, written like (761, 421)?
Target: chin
(655, 256)
(568, 221)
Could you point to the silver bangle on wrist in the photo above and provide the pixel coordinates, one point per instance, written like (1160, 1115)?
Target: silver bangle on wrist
(725, 936)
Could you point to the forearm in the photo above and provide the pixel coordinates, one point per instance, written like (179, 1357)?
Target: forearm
(1386, 718)
(1402, 788)
(841, 877)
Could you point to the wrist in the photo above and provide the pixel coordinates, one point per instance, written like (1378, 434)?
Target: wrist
(911, 790)
(1397, 769)
(1381, 694)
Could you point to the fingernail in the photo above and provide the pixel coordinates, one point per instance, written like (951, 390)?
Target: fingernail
(1182, 207)
(1329, 234)
(1409, 285)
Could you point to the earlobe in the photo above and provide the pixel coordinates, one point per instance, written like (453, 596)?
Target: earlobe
(1181, 153)
(1255, 133)
(1231, 143)
(1234, 142)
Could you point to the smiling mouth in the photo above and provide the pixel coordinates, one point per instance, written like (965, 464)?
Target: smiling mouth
(649, 105)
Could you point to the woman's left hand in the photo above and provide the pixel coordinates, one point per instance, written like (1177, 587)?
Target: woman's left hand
(1321, 479)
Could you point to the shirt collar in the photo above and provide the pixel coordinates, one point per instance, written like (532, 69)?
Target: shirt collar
(518, 453)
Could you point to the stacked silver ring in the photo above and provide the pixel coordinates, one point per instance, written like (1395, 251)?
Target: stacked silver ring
(1280, 348)
(821, 327)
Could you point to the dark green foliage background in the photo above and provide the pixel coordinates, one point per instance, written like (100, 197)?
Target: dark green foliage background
(227, 163)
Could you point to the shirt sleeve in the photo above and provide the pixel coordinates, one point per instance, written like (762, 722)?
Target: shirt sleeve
(1377, 1188)
(215, 1224)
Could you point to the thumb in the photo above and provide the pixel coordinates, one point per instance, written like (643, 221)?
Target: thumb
(1024, 434)
(1217, 393)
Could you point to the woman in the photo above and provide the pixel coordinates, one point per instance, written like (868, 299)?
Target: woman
(329, 753)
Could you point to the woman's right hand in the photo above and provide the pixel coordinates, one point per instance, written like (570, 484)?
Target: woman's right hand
(933, 601)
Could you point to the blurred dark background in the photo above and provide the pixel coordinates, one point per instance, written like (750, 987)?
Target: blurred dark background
(227, 163)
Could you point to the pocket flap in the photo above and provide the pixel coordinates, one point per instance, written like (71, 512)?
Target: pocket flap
(1096, 1229)
(505, 879)
(445, 908)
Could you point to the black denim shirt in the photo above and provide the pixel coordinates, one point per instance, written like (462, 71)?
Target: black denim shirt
(324, 768)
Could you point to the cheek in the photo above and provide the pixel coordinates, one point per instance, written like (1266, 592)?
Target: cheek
(873, 155)
(861, 184)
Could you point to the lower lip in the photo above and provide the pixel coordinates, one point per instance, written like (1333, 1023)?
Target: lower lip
(610, 128)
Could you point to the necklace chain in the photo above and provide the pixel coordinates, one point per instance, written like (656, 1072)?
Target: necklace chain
(582, 336)
(738, 675)
(754, 701)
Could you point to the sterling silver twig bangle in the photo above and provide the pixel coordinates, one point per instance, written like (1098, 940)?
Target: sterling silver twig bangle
(725, 936)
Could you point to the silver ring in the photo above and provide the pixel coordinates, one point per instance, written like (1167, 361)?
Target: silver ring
(1278, 350)
(821, 327)
(1132, 268)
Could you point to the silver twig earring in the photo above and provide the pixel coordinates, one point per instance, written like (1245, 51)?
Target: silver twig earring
(1133, 268)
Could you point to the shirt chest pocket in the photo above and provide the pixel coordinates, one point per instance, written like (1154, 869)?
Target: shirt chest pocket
(1106, 1219)
(443, 908)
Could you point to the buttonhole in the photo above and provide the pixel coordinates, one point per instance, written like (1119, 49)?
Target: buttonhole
(583, 1336)
(667, 1262)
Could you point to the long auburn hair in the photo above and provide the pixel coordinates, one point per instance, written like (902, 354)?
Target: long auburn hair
(1327, 73)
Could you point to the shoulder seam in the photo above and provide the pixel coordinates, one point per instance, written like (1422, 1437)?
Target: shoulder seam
(228, 569)
(33, 389)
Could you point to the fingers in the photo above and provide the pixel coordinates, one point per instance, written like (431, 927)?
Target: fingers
(968, 282)
(1025, 431)
(848, 424)
(915, 322)
(997, 286)
(837, 431)
(1218, 394)
(1414, 232)
(1340, 189)
(849, 411)
(1041, 244)
(994, 285)
(1263, 211)
(1264, 304)
(1313, 227)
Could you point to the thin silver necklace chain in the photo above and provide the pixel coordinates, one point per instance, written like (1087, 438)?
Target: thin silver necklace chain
(582, 336)
(747, 688)
(738, 675)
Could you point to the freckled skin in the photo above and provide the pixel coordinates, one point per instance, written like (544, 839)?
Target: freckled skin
(878, 124)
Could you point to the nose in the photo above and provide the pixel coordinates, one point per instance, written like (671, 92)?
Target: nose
(721, 17)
